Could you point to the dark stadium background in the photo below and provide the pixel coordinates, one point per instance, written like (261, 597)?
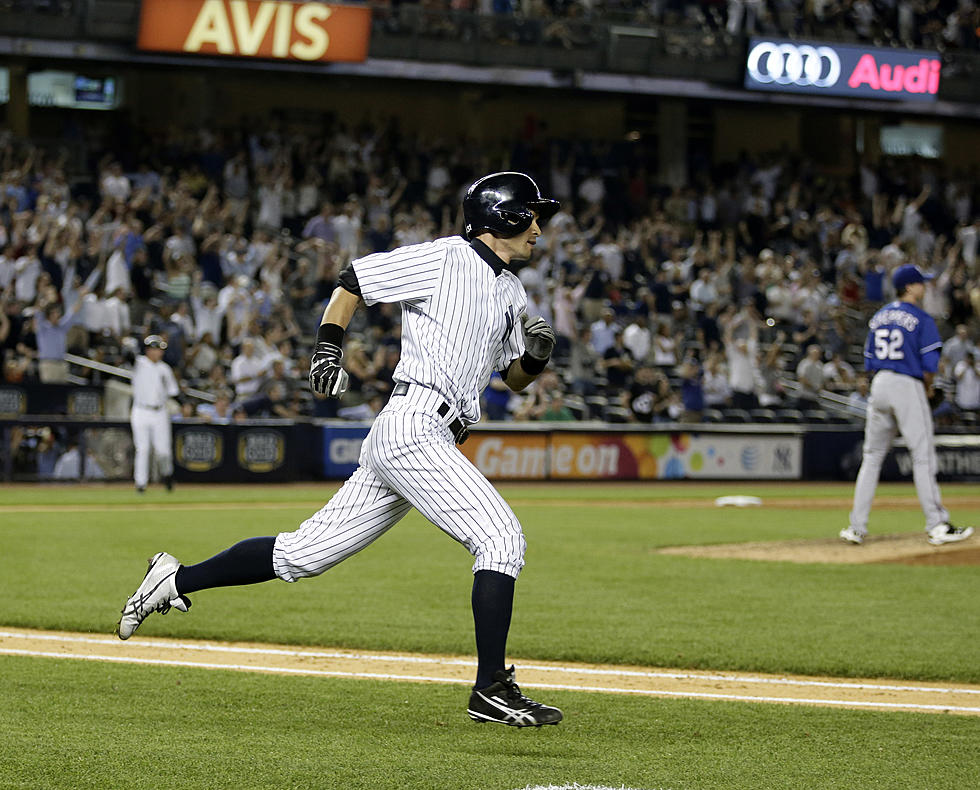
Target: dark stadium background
(645, 103)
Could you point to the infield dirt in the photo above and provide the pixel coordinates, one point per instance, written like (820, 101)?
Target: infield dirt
(905, 549)
(882, 695)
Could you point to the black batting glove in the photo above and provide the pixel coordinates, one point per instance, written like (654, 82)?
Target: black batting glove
(539, 338)
(327, 377)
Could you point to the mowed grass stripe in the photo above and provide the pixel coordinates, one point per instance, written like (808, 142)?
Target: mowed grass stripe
(95, 726)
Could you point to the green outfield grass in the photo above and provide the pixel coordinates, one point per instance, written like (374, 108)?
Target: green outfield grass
(594, 589)
(83, 725)
(315, 493)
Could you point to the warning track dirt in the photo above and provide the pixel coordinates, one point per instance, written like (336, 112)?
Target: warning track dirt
(881, 695)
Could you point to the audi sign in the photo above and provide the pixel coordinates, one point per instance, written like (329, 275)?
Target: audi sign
(841, 70)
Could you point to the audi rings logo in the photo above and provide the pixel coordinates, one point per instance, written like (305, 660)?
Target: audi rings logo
(801, 65)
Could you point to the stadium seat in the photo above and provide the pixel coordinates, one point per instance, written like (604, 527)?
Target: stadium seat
(597, 405)
(762, 415)
(818, 416)
(712, 415)
(735, 415)
(577, 406)
(789, 415)
(617, 414)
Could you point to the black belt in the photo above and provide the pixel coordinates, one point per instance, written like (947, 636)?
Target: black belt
(460, 432)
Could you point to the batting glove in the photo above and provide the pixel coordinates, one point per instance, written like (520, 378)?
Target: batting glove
(539, 338)
(327, 377)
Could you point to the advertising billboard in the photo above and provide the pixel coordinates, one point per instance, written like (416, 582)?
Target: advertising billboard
(820, 68)
(508, 456)
(634, 456)
(674, 456)
(342, 449)
(276, 29)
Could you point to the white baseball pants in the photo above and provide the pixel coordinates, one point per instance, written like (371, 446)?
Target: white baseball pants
(151, 437)
(898, 403)
(409, 459)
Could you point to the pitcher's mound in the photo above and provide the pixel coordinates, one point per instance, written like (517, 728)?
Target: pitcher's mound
(906, 549)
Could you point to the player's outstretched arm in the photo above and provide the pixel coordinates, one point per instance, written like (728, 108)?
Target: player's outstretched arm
(327, 377)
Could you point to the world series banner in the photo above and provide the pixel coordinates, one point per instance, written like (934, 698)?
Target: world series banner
(253, 452)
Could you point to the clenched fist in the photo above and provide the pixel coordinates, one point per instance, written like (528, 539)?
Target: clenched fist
(327, 377)
(539, 338)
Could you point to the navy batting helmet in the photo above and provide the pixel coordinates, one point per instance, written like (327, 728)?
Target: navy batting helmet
(503, 203)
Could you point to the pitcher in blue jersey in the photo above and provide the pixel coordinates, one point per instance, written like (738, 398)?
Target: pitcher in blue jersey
(902, 353)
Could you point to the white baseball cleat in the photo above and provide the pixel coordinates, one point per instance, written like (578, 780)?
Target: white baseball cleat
(157, 593)
(947, 533)
(851, 535)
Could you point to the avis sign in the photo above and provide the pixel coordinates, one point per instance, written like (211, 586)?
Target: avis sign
(842, 70)
(275, 29)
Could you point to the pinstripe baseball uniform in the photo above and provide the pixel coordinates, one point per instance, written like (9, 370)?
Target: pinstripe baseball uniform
(460, 322)
(153, 383)
(463, 317)
(903, 344)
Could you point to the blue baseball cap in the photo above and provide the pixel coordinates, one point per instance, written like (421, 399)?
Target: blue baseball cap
(907, 275)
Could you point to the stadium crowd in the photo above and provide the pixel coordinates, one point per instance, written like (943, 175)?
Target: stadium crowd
(945, 25)
(741, 292)
(940, 24)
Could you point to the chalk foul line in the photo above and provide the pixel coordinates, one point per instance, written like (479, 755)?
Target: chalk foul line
(433, 669)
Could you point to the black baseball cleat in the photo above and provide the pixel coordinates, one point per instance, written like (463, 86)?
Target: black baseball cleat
(503, 703)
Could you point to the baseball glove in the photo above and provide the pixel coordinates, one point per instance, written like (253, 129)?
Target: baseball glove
(539, 338)
(936, 398)
(327, 377)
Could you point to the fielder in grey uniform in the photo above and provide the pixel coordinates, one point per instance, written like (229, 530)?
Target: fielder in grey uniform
(902, 351)
(463, 317)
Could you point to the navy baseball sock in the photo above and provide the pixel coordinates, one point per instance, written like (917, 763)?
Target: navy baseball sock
(493, 602)
(247, 562)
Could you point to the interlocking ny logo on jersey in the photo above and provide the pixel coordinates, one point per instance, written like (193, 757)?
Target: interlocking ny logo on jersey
(510, 324)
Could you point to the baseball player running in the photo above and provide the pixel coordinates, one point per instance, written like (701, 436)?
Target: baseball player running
(463, 316)
(153, 383)
(902, 352)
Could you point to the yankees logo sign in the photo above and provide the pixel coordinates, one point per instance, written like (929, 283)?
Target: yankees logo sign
(842, 70)
(275, 29)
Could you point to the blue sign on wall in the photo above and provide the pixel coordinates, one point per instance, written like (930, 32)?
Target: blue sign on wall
(842, 70)
(341, 449)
